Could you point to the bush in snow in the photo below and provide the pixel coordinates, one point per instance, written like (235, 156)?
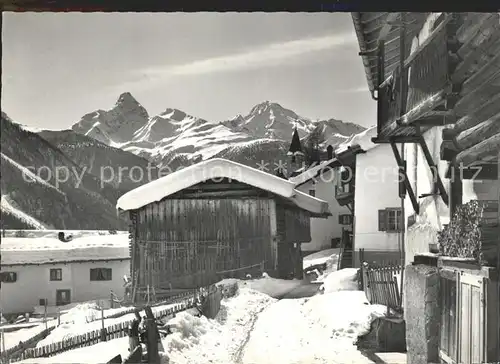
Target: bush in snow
(265, 275)
(342, 280)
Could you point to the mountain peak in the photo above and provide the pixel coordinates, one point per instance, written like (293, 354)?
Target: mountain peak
(266, 106)
(126, 98)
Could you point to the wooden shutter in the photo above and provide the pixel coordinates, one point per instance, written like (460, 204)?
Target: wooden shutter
(402, 187)
(400, 220)
(340, 219)
(382, 220)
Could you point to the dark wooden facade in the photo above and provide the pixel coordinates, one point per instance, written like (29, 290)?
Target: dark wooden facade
(214, 230)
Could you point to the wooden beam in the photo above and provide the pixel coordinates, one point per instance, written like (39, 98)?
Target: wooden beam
(396, 139)
(486, 148)
(434, 170)
(488, 38)
(422, 109)
(487, 171)
(485, 110)
(471, 26)
(437, 118)
(481, 131)
(409, 189)
(219, 194)
(483, 76)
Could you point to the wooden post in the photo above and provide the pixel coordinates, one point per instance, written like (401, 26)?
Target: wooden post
(45, 313)
(58, 317)
(2, 336)
(103, 329)
(111, 305)
(153, 337)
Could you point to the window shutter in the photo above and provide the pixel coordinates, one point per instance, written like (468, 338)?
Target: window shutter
(340, 219)
(402, 187)
(382, 220)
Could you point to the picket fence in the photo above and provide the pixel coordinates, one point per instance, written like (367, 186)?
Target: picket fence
(21, 346)
(381, 285)
(187, 300)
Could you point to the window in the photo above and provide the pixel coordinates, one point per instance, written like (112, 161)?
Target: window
(345, 219)
(56, 274)
(8, 277)
(390, 220)
(100, 274)
(312, 193)
(42, 302)
(63, 297)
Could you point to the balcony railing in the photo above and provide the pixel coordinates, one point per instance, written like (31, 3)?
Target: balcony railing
(409, 93)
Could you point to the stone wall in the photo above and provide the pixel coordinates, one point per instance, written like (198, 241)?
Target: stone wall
(422, 314)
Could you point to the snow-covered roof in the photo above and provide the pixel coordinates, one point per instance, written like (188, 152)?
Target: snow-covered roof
(363, 139)
(19, 251)
(218, 168)
(312, 172)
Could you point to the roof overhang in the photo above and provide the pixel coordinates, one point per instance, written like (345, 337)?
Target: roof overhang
(214, 169)
(372, 27)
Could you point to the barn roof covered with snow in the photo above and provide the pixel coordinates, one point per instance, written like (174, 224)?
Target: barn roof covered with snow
(314, 171)
(215, 169)
(50, 250)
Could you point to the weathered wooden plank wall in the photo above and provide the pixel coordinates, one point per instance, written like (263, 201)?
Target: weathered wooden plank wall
(184, 242)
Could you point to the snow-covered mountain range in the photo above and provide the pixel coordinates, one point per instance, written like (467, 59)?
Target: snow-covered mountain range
(175, 138)
(126, 137)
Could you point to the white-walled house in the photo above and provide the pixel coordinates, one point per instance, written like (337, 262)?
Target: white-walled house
(35, 270)
(320, 181)
(378, 217)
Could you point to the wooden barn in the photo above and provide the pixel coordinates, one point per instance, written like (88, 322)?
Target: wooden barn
(212, 220)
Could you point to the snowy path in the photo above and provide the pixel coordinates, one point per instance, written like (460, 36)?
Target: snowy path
(295, 331)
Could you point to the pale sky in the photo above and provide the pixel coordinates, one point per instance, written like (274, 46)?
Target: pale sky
(59, 66)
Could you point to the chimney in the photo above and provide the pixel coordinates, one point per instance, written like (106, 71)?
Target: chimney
(329, 152)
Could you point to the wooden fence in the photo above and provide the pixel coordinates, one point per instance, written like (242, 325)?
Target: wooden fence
(469, 319)
(19, 348)
(110, 332)
(381, 285)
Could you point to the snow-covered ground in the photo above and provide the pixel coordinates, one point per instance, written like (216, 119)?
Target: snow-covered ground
(99, 353)
(254, 328)
(320, 329)
(328, 256)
